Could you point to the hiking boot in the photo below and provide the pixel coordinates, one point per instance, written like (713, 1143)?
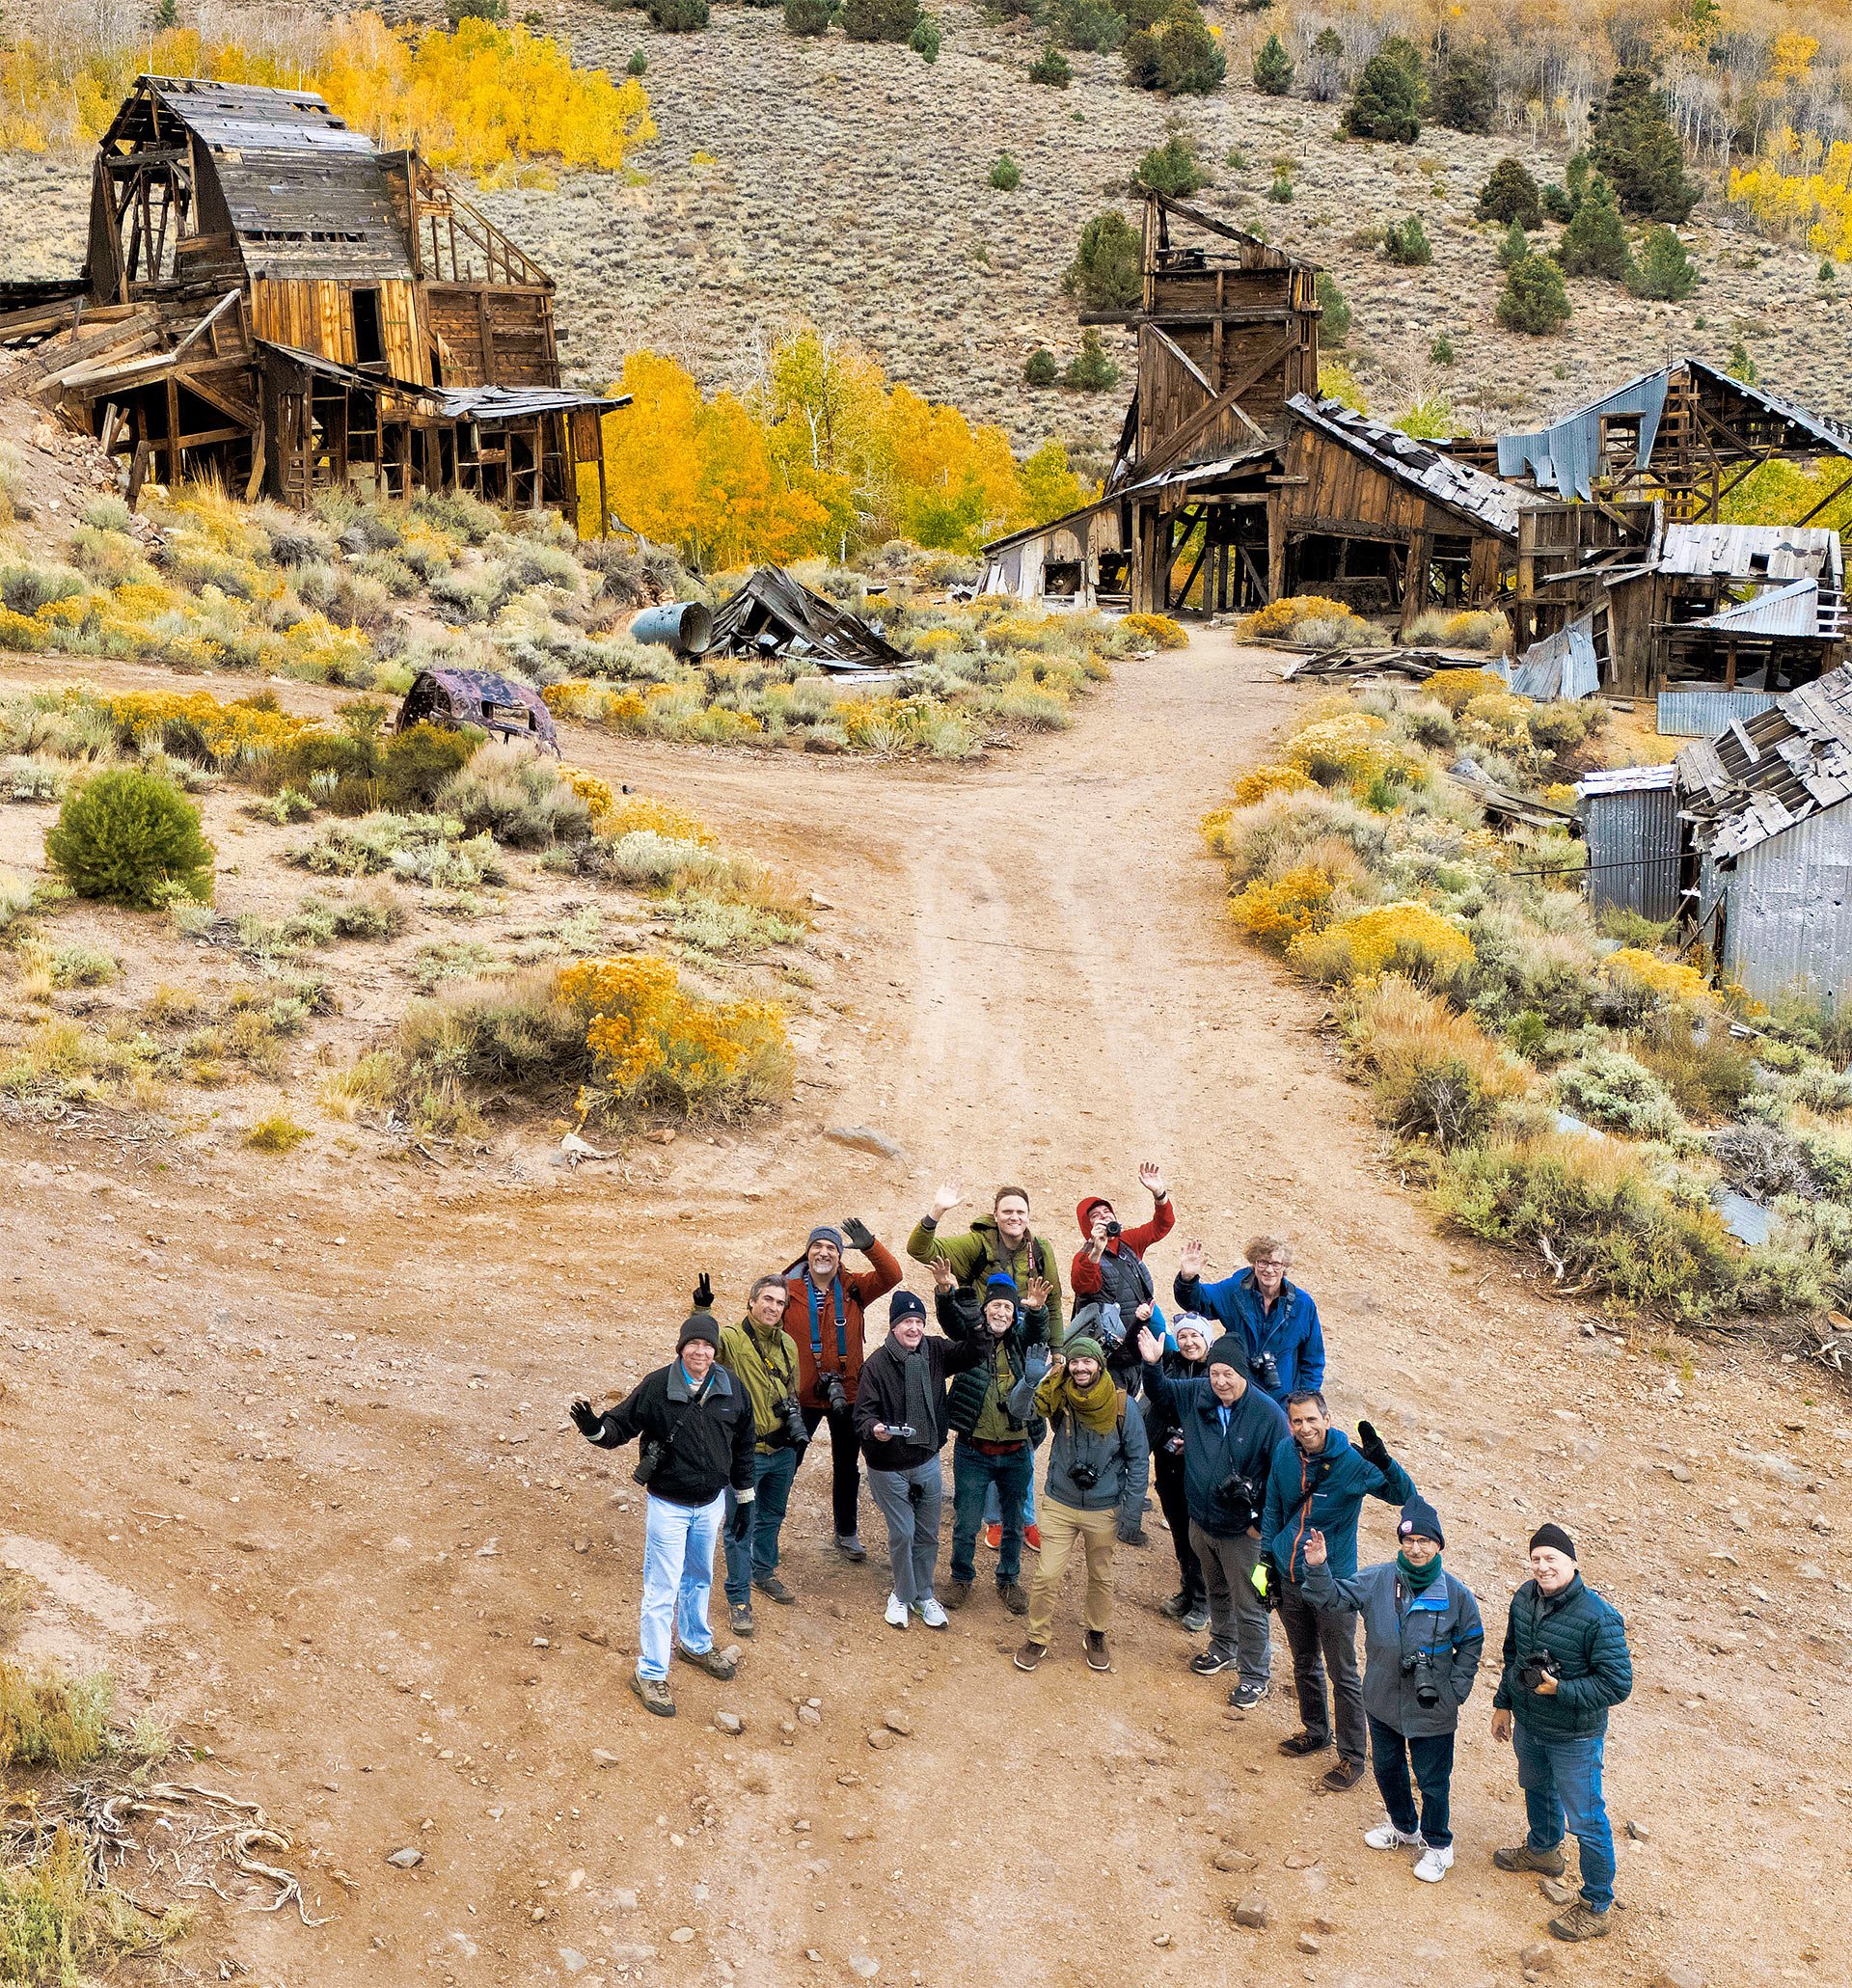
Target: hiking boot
(1581, 1922)
(1342, 1778)
(655, 1695)
(1245, 1697)
(1030, 1654)
(1549, 1863)
(1097, 1658)
(897, 1617)
(1305, 1743)
(1014, 1596)
(1137, 1536)
(1176, 1608)
(993, 1536)
(739, 1617)
(716, 1663)
(770, 1583)
(850, 1546)
(1032, 1539)
(1206, 1663)
(1197, 1620)
(1433, 1864)
(958, 1593)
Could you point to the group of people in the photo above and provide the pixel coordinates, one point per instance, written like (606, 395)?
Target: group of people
(1222, 1405)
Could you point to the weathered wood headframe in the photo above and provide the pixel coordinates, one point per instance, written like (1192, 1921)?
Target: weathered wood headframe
(269, 297)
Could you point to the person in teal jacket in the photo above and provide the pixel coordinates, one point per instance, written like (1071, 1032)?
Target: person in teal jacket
(1565, 1663)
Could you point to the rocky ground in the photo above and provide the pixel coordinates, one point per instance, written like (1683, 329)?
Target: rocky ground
(287, 1453)
(849, 183)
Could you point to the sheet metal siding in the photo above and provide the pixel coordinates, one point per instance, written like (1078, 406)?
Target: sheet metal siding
(1704, 714)
(1789, 925)
(1633, 850)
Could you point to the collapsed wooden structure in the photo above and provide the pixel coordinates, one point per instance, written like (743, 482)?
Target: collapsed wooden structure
(270, 298)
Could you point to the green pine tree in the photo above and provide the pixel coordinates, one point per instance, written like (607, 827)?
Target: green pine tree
(1272, 68)
(1664, 269)
(1635, 147)
(1595, 243)
(1534, 299)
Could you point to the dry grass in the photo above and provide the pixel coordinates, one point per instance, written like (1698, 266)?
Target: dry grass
(52, 1720)
(1433, 1074)
(276, 1132)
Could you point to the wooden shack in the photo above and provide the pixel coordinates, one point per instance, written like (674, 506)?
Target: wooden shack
(269, 297)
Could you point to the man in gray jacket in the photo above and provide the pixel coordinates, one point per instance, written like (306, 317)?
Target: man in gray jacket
(1422, 1641)
(1099, 1464)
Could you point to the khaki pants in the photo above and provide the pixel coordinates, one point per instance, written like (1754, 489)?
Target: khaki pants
(1098, 1533)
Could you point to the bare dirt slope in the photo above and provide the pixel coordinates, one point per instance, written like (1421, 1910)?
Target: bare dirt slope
(286, 1447)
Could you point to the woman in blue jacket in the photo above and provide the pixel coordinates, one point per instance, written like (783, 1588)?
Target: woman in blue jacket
(1422, 1643)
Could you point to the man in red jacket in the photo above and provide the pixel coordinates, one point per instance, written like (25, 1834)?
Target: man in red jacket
(823, 1310)
(1108, 1268)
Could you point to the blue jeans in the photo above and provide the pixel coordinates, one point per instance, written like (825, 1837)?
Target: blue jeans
(1561, 1784)
(758, 1555)
(977, 1479)
(1390, 1753)
(994, 1509)
(678, 1576)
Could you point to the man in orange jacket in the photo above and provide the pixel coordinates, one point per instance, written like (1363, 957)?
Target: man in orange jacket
(823, 1313)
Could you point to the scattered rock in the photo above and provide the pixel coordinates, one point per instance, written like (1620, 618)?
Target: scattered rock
(1559, 1891)
(407, 1859)
(1638, 1832)
(1539, 1959)
(866, 1140)
(1680, 1473)
(864, 1965)
(1250, 1911)
(898, 1722)
(1160, 1939)
(1307, 1943)
(682, 1935)
(808, 1715)
(880, 1738)
(601, 1758)
(1299, 1860)
(623, 1901)
(1681, 1974)
(601, 1636)
(1228, 1857)
(729, 1721)
(572, 1960)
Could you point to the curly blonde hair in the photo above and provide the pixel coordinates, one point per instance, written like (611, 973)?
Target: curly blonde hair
(1258, 1246)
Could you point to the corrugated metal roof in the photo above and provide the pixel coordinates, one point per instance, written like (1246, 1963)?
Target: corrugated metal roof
(1834, 435)
(1771, 553)
(1566, 456)
(1441, 479)
(1627, 779)
(1704, 714)
(1562, 665)
(1761, 775)
(1790, 609)
(517, 403)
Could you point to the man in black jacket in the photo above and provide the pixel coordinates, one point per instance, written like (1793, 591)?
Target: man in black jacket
(1185, 1357)
(697, 1427)
(900, 1417)
(1230, 1433)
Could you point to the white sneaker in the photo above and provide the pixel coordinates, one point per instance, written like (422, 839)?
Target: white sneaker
(1434, 1865)
(933, 1615)
(896, 1613)
(1387, 1837)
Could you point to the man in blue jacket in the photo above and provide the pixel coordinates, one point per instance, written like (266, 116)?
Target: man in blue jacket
(1422, 1640)
(1565, 1663)
(1276, 1320)
(1318, 1483)
(1230, 1433)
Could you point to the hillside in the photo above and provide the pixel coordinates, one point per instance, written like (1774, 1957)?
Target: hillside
(849, 183)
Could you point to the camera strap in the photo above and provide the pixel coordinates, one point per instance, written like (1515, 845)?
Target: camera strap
(695, 1401)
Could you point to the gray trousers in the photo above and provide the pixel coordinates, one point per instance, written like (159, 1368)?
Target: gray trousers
(909, 1501)
(1237, 1624)
(1325, 1639)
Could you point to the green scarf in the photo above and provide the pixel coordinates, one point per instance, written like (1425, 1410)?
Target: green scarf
(1097, 1410)
(1419, 1578)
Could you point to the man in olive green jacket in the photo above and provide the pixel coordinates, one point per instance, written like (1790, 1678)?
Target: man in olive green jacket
(762, 1356)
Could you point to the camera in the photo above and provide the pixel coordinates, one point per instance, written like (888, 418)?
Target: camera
(1427, 1692)
(791, 1414)
(649, 1458)
(1240, 1499)
(1533, 1670)
(1084, 1476)
(1173, 1442)
(1115, 1229)
(902, 1433)
(1267, 1372)
(835, 1395)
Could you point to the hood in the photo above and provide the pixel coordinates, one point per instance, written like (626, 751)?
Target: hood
(1084, 1215)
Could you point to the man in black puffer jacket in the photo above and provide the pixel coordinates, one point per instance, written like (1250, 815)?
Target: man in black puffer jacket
(698, 1432)
(994, 1447)
(1185, 1358)
(900, 1418)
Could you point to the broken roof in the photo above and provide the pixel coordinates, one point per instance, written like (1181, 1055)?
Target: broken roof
(1776, 553)
(774, 616)
(1793, 609)
(1443, 479)
(1766, 774)
(495, 405)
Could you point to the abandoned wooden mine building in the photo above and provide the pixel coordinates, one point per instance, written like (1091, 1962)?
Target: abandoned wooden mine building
(1234, 482)
(270, 298)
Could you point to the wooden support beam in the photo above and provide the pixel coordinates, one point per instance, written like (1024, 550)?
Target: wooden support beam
(1177, 444)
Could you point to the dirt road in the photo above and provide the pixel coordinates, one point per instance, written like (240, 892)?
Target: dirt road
(286, 1446)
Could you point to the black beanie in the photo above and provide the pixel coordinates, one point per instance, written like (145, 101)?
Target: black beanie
(1229, 1352)
(1553, 1535)
(903, 1304)
(699, 1325)
(1419, 1517)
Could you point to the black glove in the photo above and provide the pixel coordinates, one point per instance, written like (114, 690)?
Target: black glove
(703, 1292)
(1132, 1532)
(583, 1416)
(1370, 1447)
(857, 1234)
(741, 1523)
